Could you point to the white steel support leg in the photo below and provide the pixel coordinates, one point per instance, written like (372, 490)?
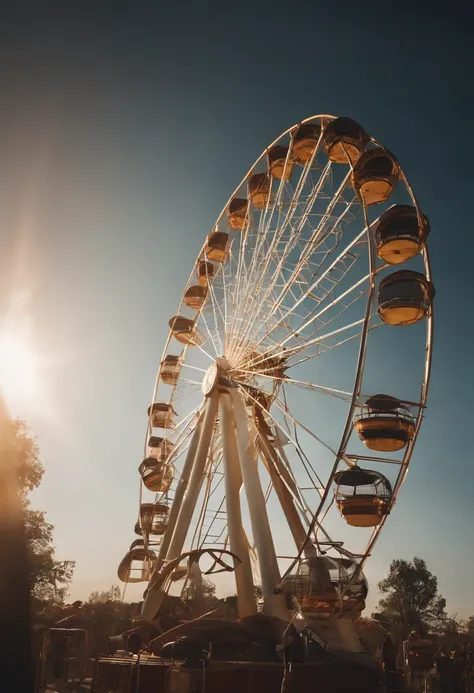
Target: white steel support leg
(238, 541)
(178, 523)
(284, 496)
(195, 482)
(179, 494)
(274, 604)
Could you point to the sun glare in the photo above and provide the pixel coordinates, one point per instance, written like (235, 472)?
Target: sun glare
(18, 370)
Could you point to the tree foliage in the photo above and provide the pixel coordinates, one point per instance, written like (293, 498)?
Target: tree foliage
(114, 594)
(468, 626)
(23, 451)
(412, 601)
(207, 600)
(49, 578)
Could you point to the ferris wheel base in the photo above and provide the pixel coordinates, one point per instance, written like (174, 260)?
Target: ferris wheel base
(236, 677)
(338, 634)
(344, 674)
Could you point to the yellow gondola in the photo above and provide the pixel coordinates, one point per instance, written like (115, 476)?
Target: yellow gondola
(259, 189)
(156, 474)
(237, 213)
(170, 369)
(153, 518)
(195, 297)
(185, 331)
(374, 176)
(362, 496)
(136, 565)
(305, 141)
(217, 246)
(404, 298)
(400, 234)
(205, 273)
(161, 415)
(385, 424)
(344, 140)
(280, 165)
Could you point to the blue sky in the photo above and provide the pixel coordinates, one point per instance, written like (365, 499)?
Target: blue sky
(123, 131)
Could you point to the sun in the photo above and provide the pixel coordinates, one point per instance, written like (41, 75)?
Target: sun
(18, 370)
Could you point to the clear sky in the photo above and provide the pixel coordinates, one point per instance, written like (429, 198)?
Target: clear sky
(124, 128)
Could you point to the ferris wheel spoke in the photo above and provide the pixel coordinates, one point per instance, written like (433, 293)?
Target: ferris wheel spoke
(289, 351)
(185, 389)
(315, 245)
(299, 343)
(216, 308)
(288, 434)
(326, 273)
(313, 241)
(340, 304)
(241, 271)
(206, 353)
(280, 316)
(180, 445)
(195, 368)
(321, 351)
(292, 208)
(288, 414)
(216, 350)
(185, 421)
(340, 394)
(191, 382)
(289, 246)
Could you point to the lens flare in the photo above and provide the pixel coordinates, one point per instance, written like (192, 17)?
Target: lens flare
(18, 370)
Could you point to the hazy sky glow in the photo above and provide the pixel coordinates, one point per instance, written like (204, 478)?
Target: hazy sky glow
(123, 131)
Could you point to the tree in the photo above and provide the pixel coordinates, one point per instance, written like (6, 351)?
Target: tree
(49, 578)
(207, 600)
(412, 601)
(113, 594)
(468, 626)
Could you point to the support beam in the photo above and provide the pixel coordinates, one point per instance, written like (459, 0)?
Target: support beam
(274, 604)
(179, 493)
(195, 467)
(233, 480)
(293, 518)
(195, 482)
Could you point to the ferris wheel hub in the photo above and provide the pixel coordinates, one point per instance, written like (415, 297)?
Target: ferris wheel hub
(210, 380)
(214, 374)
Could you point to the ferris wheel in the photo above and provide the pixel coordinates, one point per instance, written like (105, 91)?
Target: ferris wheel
(293, 382)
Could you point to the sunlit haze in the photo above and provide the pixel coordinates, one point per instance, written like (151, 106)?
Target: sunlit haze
(18, 371)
